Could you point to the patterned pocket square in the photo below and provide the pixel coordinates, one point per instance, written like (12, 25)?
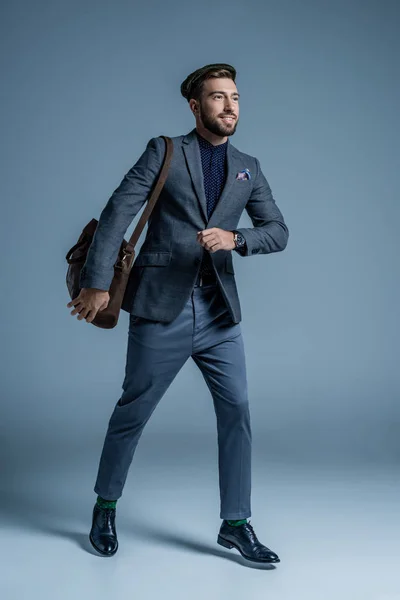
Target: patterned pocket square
(243, 175)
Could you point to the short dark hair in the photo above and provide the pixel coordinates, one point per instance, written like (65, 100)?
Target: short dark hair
(192, 87)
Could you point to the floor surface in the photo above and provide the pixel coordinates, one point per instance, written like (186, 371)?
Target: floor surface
(336, 529)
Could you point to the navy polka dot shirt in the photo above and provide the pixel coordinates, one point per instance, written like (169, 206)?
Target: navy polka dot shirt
(213, 161)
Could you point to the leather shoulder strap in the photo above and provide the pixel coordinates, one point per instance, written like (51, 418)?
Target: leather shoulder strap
(162, 177)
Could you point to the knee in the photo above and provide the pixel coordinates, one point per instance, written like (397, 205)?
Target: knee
(242, 409)
(237, 410)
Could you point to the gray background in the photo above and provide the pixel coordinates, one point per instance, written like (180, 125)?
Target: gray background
(85, 86)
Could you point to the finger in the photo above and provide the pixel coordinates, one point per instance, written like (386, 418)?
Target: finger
(73, 301)
(211, 231)
(210, 236)
(210, 243)
(91, 316)
(83, 314)
(212, 240)
(78, 308)
(207, 232)
(214, 244)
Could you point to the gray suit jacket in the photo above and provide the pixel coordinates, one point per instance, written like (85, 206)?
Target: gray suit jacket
(166, 268)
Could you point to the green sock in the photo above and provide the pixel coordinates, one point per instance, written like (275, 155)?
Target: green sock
(106, 503)
(236, 523)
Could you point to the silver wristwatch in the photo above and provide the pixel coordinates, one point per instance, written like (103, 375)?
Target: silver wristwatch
(238, 239)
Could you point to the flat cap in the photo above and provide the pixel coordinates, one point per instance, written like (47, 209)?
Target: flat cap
(191, 80)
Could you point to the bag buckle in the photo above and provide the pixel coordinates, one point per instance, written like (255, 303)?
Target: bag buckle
(120, 263)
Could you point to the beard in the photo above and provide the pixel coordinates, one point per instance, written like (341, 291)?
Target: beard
(216, 126)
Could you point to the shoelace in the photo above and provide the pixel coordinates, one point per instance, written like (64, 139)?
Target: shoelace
(107, 515)
(251, 532)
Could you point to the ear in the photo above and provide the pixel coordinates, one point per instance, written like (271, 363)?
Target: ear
(193, 105)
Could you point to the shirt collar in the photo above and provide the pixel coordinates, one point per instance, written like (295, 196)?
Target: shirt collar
(220, 148)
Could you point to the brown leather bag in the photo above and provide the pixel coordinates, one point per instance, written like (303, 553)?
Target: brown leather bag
(76, 257)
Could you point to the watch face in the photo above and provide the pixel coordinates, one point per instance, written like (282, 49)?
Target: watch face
(240, 240)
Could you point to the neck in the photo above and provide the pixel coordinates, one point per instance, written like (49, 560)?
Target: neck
(215, 140)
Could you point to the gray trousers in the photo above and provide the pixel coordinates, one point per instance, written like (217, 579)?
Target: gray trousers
(156, 353)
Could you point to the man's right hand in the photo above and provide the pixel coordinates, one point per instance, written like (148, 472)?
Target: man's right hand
(89, 302)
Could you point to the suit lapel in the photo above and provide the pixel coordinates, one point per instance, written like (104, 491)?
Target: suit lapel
(193, 158)
(192, 152)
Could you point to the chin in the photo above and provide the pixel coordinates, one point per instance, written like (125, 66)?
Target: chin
(222, 131)
(229, 131)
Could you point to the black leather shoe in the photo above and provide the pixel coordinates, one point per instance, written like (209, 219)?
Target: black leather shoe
(103, 535)
(243, 538)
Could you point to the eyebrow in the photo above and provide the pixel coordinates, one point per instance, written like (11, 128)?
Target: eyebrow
(220, 92)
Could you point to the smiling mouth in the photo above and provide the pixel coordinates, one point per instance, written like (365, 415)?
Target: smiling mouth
(228, 118)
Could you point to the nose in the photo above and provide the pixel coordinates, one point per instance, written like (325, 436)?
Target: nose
(229, 104)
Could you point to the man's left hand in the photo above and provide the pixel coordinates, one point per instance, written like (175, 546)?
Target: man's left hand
(214, 239)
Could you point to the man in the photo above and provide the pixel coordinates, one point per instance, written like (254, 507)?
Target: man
(182, 296)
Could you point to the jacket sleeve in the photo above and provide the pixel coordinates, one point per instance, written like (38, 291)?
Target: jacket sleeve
(269, 232)
(118, 214)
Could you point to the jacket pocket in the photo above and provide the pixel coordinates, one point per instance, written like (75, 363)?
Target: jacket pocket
(153, 259)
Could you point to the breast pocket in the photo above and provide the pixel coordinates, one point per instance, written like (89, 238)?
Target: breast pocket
(243, 188)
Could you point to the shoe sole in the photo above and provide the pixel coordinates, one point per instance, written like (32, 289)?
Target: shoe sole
(99, 551)
(222, 542)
